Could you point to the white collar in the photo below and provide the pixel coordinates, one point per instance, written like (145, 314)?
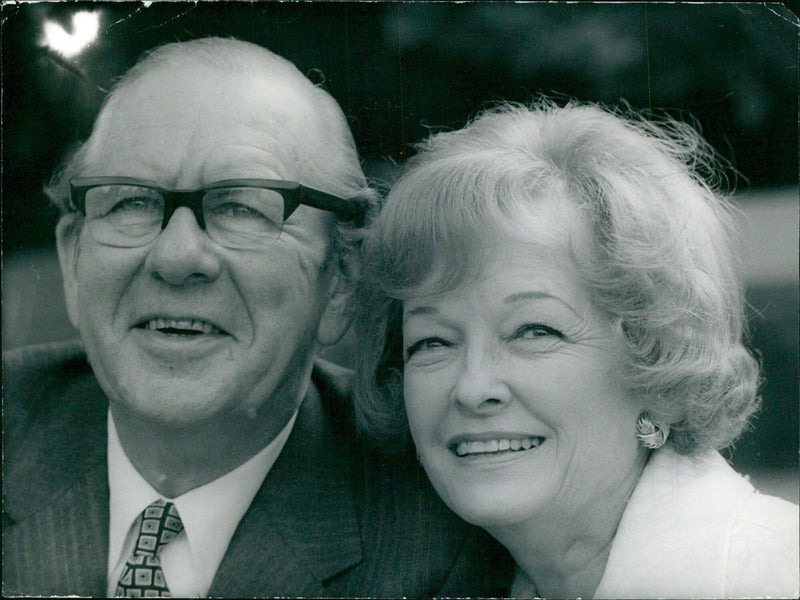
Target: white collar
(669, 542)
(210, 513)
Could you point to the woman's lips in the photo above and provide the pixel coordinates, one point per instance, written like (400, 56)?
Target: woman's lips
(494, 446)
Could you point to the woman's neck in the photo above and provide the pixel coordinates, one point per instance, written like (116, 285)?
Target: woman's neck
(563, 553)
(558, 568)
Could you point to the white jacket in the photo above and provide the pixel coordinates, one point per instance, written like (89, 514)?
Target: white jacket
(694, 528)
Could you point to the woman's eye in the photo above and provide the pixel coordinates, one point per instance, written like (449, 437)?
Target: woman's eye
(426, 344)
(534, 330)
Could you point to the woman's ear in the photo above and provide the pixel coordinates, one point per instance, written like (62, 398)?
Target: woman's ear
(67, 233)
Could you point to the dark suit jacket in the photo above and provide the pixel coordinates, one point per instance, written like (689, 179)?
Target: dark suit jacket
(331, 518)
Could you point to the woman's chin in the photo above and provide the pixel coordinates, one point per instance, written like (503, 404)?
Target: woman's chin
(490, 507)
(495, 491)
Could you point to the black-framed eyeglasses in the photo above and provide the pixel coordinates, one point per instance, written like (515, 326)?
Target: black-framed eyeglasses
(235, 213)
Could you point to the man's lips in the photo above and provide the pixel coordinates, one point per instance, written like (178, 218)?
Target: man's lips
(180, 326)
(495, 445)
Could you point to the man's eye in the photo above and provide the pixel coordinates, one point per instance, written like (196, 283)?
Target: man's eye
(253, 211)
(135, 204)
(423, 345)
(534, 330)
(237, 210)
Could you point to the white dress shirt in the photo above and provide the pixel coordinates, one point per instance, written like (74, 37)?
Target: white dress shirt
(210, 515)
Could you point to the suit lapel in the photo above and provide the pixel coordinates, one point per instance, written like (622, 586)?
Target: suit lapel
(302, 527)
(300, 530)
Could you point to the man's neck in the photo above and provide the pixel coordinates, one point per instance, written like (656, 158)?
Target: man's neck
(175, 460)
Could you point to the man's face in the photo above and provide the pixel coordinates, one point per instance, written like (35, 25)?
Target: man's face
(182, 331)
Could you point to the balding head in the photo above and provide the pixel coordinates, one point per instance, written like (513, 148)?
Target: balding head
(300, 124)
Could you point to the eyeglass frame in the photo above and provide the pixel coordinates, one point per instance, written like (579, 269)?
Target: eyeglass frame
(293, 193)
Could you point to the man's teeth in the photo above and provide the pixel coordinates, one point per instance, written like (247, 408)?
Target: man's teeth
(182, 325)
(501, 445)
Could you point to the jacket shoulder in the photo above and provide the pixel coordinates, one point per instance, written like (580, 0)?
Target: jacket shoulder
(30, 376)
(30, 362)
(53, 420)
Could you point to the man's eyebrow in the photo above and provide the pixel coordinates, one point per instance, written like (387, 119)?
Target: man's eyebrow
(536, 295)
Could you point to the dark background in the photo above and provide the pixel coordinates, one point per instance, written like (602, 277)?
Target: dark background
(400, 70)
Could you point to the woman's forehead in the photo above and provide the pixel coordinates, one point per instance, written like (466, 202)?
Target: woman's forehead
(531, 252)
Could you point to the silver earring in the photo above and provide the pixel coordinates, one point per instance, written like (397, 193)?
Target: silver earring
(649, 434)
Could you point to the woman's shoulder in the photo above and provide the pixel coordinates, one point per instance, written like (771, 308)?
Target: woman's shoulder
(696, 528)
(758, 529)
(762, 513)
(763, 555)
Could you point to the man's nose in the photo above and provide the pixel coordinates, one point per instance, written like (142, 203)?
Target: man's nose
(480, 386)
(183, 252)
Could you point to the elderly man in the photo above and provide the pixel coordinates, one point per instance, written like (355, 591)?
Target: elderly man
(197, 449)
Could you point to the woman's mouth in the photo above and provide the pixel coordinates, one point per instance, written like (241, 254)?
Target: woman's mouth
(496, 446)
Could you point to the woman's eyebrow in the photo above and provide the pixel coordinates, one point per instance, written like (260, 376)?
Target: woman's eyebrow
(536, 295)
(419, 310)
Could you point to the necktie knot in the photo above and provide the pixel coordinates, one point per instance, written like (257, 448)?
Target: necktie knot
(160, 524)
(142, 574)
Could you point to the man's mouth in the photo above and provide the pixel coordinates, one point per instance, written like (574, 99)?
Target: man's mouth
(500, 445)
(187, 327)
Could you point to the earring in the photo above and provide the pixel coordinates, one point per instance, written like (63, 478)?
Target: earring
(649, 434)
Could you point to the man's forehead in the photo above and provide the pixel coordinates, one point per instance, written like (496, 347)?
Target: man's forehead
(203, 85)
(198, 119)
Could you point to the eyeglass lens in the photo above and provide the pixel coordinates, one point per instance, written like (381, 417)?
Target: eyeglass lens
(132, 215)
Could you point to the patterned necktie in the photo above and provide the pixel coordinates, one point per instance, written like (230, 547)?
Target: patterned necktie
(142, 575)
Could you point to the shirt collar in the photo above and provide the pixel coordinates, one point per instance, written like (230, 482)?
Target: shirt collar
(210, 513)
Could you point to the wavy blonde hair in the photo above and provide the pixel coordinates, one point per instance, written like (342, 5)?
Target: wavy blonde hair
(659, 262)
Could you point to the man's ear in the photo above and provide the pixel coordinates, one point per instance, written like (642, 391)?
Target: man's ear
(336, 316)
(67, 234)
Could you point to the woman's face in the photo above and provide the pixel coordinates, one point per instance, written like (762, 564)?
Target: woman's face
(513, 391)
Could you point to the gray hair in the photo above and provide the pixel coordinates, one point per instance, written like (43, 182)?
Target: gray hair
(659, 262)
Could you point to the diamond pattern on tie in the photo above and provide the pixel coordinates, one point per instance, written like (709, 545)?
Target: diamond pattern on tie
(142, 576)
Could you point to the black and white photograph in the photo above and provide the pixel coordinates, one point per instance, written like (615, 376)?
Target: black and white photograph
(400, 299)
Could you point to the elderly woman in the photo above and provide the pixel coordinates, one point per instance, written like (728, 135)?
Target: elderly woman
(551, 303)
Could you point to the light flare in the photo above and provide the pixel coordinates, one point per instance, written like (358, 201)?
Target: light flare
(85, 27)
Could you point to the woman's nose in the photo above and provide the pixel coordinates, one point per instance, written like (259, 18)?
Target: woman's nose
(480, 386)
(183, 252)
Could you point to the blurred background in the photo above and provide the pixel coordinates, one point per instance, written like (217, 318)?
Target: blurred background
(401, 70)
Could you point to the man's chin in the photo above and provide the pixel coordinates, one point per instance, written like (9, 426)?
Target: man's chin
(185, 410)
(174, 397)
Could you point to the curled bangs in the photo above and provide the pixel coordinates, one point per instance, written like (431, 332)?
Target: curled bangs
(441, 222)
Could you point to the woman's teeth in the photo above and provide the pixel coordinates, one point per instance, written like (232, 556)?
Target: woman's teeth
(501, 445)
(181, 326)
